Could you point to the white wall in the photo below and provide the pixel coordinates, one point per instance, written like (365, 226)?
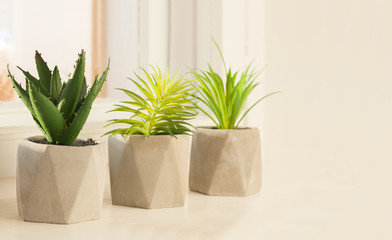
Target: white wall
(122, 43)
(332, 61)
(57, 29)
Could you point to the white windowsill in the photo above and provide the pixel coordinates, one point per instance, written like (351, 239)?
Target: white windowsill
(295, 202)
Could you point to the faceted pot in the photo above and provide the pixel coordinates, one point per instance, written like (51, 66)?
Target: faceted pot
(149, 172)
(225, 162)
(60, 184)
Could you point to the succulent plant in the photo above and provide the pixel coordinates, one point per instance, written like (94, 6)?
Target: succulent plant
(59, 109)
(164, 107)
(226, 99)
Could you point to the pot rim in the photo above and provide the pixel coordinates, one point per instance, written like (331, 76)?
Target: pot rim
(213, 128)
(27, 140)
(118, 137)
(151, 136)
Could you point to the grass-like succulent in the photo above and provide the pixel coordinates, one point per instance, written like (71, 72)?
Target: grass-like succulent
(163, 107)
(59, 109)
(226, 100)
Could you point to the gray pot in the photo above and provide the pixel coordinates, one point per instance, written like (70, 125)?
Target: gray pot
(226, 162)
(149, 173)
(60, 184)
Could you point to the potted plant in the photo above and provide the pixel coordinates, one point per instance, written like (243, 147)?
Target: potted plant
(226, 159)
(60, 179)
(149, 160)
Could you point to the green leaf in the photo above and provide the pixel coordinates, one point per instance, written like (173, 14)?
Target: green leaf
(136, 104)
(55, 86)
(70, 95)
(60, 124)
(43, 71)
(226, 99)
(254, 104)
(46, 113)
(35, 82)
(120, 131)
(73, 130)
(220, 53)
(83, 91)
(127, 121)
(135, 97)
(163, 107)
(148, 94)
(23, 95)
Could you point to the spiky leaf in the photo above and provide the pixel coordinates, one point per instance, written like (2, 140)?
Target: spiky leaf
(35, 82)
(70, 95)
(41, 99)
(71, 133)
(163, 107)
(226, 99)
(55, 85)
(46, 113)
(44, 73)
(21, 93)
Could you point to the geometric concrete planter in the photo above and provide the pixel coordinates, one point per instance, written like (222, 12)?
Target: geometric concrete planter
(60, 184)
(225, 162)
(149, 173)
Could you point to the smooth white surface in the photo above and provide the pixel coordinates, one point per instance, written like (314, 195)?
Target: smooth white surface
(294, 204)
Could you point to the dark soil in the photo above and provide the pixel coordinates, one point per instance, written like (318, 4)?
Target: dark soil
(77, 143)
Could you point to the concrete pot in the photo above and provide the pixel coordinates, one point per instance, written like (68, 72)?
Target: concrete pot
(226, 162)
(149, 173)
(60, 184)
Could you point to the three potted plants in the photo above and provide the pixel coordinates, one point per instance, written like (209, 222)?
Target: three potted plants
(149, 159)
(60, 179)
(226, 159)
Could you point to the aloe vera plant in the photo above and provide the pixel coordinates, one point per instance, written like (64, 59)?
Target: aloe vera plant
(164, 106)
(226, 100)
(59, 109)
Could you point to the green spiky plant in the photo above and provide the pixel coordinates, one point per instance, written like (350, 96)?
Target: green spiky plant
(164, 106)
(59, 109)
(226, 100)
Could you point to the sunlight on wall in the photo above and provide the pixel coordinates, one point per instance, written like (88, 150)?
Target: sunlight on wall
(57, 29)
(6, 47)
